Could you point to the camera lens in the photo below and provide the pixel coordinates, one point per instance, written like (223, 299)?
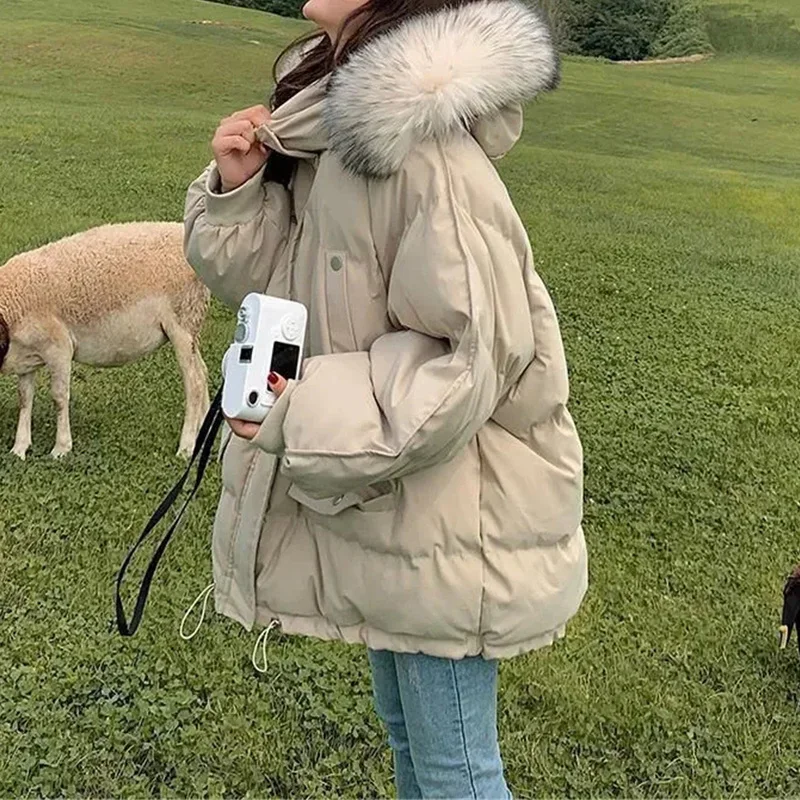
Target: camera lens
(252, 398)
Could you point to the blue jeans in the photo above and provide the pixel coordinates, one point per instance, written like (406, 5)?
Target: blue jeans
(441, 716)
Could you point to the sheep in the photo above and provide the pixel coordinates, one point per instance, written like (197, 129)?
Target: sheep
(104, 297)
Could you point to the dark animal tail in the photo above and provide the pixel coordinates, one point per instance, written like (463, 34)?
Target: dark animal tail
(790, 617)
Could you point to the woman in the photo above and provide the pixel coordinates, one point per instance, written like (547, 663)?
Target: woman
(419, 489)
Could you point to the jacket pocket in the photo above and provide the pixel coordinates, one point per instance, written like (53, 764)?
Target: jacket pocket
(368, 518)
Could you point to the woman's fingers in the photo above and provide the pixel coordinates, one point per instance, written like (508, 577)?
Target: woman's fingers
(237, 127)
(277, 383)
(227, 144)
(242, 428)
(256, 115)
(247, 430)
(235, 135)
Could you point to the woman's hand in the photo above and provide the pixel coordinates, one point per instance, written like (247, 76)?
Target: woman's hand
(239, 155)
(247, 430)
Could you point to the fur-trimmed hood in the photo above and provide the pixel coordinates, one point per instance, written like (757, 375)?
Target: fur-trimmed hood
(433, 76)
(468, 68)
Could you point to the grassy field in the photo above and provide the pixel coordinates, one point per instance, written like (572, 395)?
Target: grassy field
(787, 8)
(663, 203)
(768, 27)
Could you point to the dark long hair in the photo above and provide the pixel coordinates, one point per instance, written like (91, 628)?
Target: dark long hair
(321, 55)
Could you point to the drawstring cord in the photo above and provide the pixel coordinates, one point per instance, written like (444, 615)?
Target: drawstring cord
(204, 595)
(262, 643)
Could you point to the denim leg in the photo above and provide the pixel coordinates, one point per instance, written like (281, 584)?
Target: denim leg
(450, 711)
(390, 710)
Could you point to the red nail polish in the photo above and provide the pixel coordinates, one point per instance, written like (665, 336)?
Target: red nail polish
(272, 378)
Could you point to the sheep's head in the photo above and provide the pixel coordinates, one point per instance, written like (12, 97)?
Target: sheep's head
(5, 337)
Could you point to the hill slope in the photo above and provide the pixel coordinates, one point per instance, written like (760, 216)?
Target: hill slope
(768, 27)
(788, 8)
(663, 206)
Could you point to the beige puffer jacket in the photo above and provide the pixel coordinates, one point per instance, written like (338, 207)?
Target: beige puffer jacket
(419, 489)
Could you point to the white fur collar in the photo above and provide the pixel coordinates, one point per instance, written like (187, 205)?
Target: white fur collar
(433, 76)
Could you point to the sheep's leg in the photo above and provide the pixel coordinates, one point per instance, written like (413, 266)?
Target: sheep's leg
(202, 377)
(25, 391)
(197, 402)
(57, 356)
(194, 385)
(60, 375)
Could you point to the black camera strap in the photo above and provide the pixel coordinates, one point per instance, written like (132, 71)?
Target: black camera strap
(201, 454)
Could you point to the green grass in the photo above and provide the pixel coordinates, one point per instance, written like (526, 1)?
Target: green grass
(769, 27)
(789, 8)
(663, 203)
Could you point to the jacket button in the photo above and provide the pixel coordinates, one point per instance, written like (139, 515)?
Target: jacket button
(336, 263)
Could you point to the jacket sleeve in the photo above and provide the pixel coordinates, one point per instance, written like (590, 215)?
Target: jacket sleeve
(422, 392)
(234, 240)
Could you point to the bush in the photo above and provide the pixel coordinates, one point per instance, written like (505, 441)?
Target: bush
(559, 14)
(617, 29)
(684, 32)
(285, 8)
(628, 29)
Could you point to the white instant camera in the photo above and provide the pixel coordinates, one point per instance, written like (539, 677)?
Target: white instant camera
(270, 336)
